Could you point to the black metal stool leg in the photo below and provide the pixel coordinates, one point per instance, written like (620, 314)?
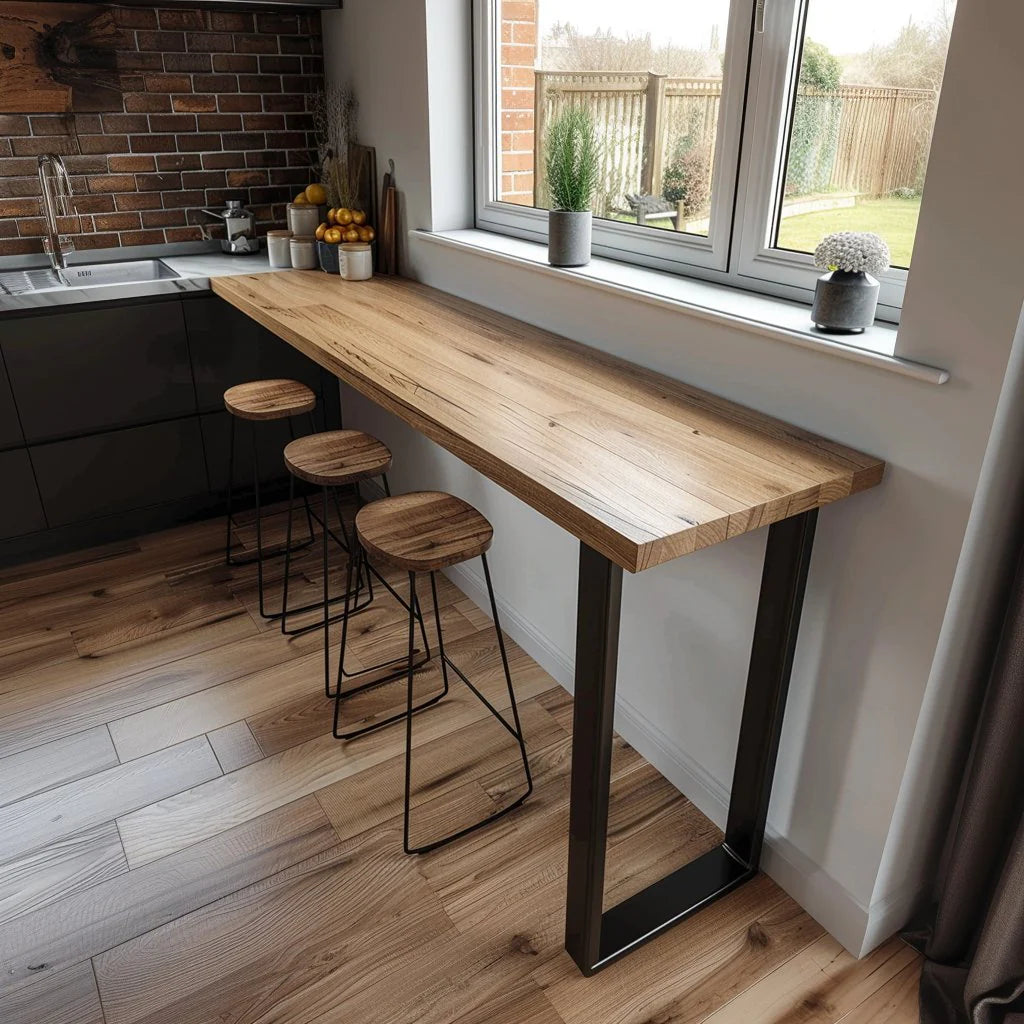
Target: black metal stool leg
(516, 730)
(231, 488)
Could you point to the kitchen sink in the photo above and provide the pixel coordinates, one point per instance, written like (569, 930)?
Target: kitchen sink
(91, 282)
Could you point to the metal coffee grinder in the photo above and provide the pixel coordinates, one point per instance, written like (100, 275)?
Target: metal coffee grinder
(239, 226)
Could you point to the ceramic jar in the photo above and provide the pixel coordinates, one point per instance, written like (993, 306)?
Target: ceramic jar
(356, 261)
(303, 252)
(279, 249)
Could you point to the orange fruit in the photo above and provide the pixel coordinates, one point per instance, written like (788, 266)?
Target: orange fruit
(316, 194)
(352, 235)
(358, 217)
(331, 214)
(320, 232)
(332, 235)
(300, 199)
(367, 234)
(343, 216)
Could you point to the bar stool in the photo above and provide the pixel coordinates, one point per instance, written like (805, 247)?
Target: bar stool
(261, 401)
(332, 460)
(425, 532)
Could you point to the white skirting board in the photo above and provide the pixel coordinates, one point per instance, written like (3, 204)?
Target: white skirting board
(858, 928)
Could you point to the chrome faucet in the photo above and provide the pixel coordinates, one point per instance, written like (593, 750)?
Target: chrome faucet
(58, 201)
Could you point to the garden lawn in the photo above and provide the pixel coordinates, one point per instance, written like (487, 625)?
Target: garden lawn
(894, 219)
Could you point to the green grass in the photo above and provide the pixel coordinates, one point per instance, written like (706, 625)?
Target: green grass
(894, 219)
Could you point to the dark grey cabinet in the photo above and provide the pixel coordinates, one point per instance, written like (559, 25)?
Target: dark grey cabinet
(271, 438)
(84, 371)
(120, 471)
(20, 510)
(230, 348)
(10, 427)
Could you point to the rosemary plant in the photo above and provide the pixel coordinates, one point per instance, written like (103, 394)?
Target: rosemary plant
(573, 160)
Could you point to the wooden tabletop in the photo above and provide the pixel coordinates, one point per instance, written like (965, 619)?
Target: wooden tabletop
(641, 467)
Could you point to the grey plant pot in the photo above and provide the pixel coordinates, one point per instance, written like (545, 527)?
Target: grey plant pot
(569, 235)
(845, 303)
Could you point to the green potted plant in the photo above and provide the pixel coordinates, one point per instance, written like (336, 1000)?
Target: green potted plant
(573, 166)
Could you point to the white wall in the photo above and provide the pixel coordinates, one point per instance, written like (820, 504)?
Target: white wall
(884, 561)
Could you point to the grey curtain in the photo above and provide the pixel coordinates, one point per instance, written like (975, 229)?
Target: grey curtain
(974, 941)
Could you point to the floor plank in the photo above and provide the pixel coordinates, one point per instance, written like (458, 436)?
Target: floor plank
(69, 997)
(113, 912)
(60, 870)
(235, 746)
(172, 824)
(895, 1003)
(53, 764)
(239, 959)
(46, 817)
(22, 652)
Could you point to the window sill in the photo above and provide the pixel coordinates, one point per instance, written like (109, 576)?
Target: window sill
(774, 318)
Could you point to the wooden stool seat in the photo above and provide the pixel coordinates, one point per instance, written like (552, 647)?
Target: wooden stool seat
(423, 531)
(337, 457)
(269, 399)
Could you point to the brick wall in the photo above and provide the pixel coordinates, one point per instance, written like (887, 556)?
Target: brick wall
(215, 108)
(518, 59)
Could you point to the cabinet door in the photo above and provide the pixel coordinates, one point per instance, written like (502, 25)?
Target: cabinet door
(229, 348)
(271, 438)
(20, 511)
(120, 471)
(10, 426)
(83, 371)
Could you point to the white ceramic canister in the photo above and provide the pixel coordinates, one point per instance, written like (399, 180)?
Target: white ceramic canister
(279, 249)
(355, 261)
(303, 252)
(303, 219)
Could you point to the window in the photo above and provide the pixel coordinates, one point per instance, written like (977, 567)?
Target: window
(734, 133)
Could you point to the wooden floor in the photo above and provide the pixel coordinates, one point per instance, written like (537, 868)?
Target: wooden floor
(182, 840)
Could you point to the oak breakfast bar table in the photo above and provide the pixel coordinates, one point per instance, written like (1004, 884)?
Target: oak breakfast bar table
(640, 468)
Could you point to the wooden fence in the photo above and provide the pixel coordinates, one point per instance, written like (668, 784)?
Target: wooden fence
(881, 141)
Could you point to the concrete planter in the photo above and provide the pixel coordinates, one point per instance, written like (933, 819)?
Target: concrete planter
(845, 303)
(569, 235)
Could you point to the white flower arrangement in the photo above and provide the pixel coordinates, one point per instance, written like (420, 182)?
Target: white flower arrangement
(853, 251)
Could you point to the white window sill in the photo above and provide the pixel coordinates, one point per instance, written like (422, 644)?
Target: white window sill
(772, 317)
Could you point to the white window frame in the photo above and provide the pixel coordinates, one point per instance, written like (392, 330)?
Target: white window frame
(759, 87)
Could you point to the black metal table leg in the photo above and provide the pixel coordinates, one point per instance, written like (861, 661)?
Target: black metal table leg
(595, 939)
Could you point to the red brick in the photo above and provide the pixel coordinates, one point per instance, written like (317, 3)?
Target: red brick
(277, 65)
(222, 161)
(299, 122)
(26, 186)
(519, 10)
(183, 235)
(105, 144)
(140, 61)
(285, 102)
(187, 198)
(163, 182)
(182, 20)
(173, 122)
(138, 201)
(516, 162)
(300, 83)
(203, 179)
(98, 241)
(220, 122)
(51, 124)
(525, 32)
(19, 207)
(94, 204)
(187, 61)
(141, 237)
(513, 53)
(246, 179)
(62, 144)
(88, 124)
(256, 44)
(210, 42)
(18, 246)
(226, 21)
(154, 143)
(162, 42)
(168, 83)
(163, 218)
(128, 18)
(116, 221)
(198, 143)
(517, 120)
(517, 99)
(236, 62)
(8, 228)
(313, 66)
(259, 83)
(296, 44)
(286, 140)
(111, 183)
(178, 162)
(31, 227)
(243, 140)
(290, 176)
(116, 124)
(263, 122)
(146, 102)
(18, 165)
(195, 104)
(131, 164)
(215, 83)
(518, 78)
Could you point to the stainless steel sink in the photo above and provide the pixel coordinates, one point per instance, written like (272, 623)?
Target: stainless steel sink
(131, 272)
(92, 282)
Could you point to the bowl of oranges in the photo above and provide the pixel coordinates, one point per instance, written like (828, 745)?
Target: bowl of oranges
(342, 225)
